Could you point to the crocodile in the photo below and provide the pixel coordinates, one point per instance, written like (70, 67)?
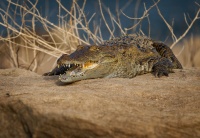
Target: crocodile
(125, 57)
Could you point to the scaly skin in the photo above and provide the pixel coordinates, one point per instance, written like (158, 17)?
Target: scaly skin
(126, 56)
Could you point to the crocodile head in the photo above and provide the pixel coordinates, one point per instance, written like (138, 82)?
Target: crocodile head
(87, 62)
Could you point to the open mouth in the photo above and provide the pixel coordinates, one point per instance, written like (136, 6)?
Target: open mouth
(84, 66)
(76, 70)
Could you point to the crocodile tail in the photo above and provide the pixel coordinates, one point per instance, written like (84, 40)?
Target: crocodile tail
(166, 52)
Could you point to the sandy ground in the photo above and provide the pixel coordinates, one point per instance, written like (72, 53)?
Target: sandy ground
(36, 106)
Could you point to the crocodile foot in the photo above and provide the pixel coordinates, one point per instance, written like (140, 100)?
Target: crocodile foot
(162, 68)
(159, 71)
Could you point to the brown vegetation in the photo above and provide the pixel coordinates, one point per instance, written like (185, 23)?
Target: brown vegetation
(188, 52)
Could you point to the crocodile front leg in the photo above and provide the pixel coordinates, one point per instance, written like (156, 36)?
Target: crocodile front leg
(162, 67)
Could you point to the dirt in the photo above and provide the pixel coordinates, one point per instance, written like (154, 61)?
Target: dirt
(32, 105)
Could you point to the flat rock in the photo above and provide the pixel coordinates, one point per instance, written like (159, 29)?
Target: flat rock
(37, 106)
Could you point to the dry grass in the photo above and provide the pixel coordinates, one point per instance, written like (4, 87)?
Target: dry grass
(24, 47)
(188, 51)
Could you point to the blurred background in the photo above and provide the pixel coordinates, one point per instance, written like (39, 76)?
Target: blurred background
(173, 11)
(95, 17)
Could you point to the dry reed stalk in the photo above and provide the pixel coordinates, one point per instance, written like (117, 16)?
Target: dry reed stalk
(28, 37)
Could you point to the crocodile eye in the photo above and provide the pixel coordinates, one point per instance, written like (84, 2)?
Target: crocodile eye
(93, 48)
(79, 47)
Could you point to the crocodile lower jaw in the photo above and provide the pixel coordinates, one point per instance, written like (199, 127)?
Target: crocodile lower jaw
(76, 71)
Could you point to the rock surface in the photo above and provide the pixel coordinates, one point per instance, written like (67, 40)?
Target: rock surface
(36, 106)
